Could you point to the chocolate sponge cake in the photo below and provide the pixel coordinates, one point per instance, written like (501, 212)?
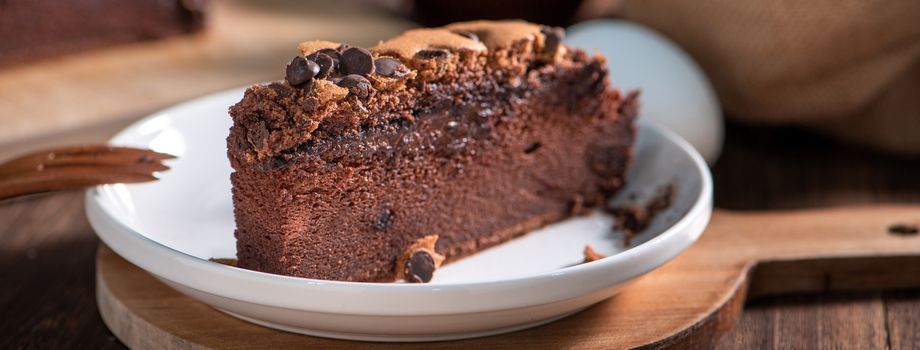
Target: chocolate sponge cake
(435, 144)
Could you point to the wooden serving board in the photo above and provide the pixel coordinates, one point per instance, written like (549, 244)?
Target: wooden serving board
(688, 302)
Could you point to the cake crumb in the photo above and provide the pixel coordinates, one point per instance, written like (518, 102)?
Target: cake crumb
(419, 261)
(224, 261)
(632, 220)
(591, 255)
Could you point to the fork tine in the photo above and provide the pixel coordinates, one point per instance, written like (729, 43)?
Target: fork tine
(67, 178)
(101, 148)
(83, 156)
(79, 166)
(93, 170)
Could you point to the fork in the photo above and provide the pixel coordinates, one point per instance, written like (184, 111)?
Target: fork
(77, 167)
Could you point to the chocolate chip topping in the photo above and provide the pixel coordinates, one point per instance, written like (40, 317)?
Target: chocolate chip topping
(419, 260)
(552, 39)
(326, 64)
(301, 70)
(420, 267)
(384, 219)
(356, 60)
(390, 67)
(312, 68)
(333, 53)
(433, 54)
(356, 84)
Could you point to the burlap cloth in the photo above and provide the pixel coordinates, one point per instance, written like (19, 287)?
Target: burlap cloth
(850, 68)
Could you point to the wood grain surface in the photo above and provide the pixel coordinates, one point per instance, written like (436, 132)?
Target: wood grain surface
(689, 301)
(47, 251)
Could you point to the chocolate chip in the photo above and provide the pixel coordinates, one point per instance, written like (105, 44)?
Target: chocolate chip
(301, 70)
(326, 64)
(356, 84)
(420, 267)
(384, 219)
(433, 54)
(532, 148)
(312, 67)
(356, 60)
(390, 67)
(552, 39)
(468, 35)
(331, 53)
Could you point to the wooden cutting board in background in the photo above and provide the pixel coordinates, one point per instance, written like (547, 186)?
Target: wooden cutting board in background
(687, 303)
(244, 42)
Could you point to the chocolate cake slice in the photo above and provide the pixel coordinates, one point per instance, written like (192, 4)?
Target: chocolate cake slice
(432, 145)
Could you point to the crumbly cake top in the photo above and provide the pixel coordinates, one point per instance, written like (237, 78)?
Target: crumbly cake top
(473, 36)
(332, 88)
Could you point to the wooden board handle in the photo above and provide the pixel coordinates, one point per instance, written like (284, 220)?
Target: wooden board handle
(821, 233)
(701, 293)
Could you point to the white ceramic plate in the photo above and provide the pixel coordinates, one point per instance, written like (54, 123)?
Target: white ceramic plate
(171, 227)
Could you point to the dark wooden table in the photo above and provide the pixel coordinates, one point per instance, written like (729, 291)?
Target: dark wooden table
(47, 251)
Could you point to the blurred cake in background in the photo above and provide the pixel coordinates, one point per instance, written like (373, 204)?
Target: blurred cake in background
(35, 29)
(441, 12)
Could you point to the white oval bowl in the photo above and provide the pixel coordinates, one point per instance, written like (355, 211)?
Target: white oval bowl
(172, 226)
